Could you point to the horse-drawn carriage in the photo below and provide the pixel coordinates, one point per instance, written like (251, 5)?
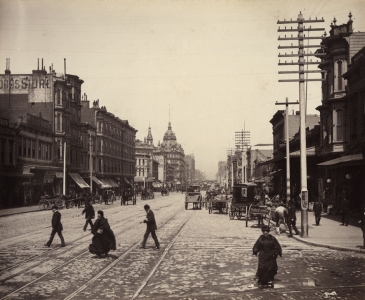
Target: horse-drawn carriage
(164, 191)
(193, 196)
(129, 195)
(147, 194)
(217, 201)
(244, 205)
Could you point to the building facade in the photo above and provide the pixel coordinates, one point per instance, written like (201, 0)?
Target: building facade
(114, 150)
(342, 116)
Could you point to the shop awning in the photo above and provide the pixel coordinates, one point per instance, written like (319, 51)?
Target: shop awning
(99, 183)
(78, 179)
(49, 177)
(138, 179)
(112, 183)
(127, 181)
(105, 183)
(311, 151)
(344, 160)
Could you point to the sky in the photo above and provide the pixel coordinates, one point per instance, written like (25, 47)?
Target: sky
(210, 67)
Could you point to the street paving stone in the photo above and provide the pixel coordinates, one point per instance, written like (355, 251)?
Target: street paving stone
(210, 259)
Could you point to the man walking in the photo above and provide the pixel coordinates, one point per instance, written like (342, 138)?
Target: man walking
(345, 210)
(317, 208)
(56, 227)
(89, 214)
(292, 218)
(151, 228)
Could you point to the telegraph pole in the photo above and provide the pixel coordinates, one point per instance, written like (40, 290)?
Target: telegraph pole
(243, 142)
(286, 103)
(302, 100)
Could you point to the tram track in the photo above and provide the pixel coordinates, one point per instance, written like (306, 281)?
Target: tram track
(82, 255)
(58, 248)
(62, 250)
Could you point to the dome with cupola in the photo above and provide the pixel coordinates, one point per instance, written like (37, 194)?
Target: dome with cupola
(169, 134)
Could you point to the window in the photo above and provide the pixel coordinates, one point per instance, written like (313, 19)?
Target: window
(339, 76)
(20, 147)
(40, 150)
(58, 121)
(339, 125)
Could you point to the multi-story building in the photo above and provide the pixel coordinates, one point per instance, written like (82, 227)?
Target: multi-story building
(114, 150)
(189, 168)
(342, 116)
(53, 99)
(170, 155)
(255, 155)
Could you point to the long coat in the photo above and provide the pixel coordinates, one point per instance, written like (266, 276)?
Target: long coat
(56, 221)
(105, 241)
(317, 208)
(268, 249)
(151, 222)
(292, 212)
(89, 211)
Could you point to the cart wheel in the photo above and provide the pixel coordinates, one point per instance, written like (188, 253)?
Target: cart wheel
(231, 215)
(186, 205)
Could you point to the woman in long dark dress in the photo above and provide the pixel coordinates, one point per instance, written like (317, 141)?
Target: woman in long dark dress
(268, 249)
(104, 239)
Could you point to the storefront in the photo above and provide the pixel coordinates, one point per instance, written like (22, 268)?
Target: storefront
(342, 177)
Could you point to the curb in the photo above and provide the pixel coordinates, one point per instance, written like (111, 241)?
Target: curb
(329, 246)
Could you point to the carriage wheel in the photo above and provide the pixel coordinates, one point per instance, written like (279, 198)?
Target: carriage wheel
(186, 205)
(231, 215)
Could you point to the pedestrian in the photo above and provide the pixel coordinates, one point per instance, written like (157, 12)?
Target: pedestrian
(103, 240)
(345, 210)
(105, 197)
(317, 209)
(56, 227)
(268, 249)
(362, 222)
(151, 228)
(27, 200)
(292, 218)
(89, 214)
(281, 214)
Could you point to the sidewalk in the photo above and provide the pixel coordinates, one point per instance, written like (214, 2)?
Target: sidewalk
(331, 234)
(18, 210)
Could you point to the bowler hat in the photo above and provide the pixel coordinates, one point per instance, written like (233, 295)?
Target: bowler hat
(265, 228)
(54, 207)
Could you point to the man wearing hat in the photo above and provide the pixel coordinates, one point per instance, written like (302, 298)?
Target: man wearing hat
(56, 227)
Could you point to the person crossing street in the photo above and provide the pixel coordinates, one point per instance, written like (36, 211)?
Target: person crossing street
(151, 228)
(56, 227)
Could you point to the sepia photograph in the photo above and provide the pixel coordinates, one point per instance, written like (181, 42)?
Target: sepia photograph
(182, 149)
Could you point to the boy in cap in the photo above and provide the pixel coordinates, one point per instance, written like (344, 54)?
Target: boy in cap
(56, 227)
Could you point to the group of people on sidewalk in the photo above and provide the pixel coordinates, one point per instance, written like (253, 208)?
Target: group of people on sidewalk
(103, 240)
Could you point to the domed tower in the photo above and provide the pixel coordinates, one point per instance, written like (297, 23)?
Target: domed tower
(169, 134)
(149, 136)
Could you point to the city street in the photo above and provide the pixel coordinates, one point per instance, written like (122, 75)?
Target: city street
(202, 256)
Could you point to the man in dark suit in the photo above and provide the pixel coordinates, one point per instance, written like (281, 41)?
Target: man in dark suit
(56, 227)
(151, 228)
(292, 218)
(89, 214)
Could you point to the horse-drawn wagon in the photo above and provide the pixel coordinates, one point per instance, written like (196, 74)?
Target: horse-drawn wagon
(218, 202)
(193, 196)
(244, 205)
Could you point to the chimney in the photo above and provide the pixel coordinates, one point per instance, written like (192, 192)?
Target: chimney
(38, 64)
(64, 64)
(7, 71)
(42, 64)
